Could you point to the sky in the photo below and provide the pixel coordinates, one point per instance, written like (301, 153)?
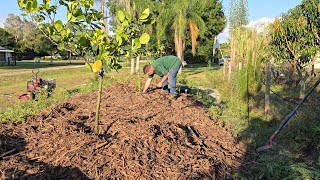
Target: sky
(260, 12)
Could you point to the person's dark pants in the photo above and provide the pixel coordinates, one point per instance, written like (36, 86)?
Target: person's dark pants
(172, 81)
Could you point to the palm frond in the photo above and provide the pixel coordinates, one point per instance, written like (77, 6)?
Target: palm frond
(194, 33)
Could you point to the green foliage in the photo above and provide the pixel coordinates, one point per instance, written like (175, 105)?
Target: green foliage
(283, 168)
(207, 14)
(215, 22)
(6, 39)
(295, 37)
(25, 36)
(238, 13)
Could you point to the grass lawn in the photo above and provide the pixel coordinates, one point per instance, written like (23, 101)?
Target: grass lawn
(13, 79)
(30, 64)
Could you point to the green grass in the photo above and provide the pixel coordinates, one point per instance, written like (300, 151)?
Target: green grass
(30, 64)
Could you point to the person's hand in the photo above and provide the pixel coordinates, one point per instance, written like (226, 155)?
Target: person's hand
(159, 85)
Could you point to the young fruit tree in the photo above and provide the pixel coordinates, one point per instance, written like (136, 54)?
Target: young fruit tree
(81, 34)
(295, 40)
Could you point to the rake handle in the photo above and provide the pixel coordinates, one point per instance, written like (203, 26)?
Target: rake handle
(269, 145)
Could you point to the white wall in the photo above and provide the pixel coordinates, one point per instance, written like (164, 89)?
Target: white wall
(8, 55)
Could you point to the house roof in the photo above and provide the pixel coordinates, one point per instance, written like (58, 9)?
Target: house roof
(2, 49)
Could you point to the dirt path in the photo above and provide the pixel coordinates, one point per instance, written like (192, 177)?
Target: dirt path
(142, 136)
(24, 71)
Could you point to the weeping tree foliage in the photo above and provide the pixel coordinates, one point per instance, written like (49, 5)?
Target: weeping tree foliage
(295, 40)
(215, 21)
(81, 34)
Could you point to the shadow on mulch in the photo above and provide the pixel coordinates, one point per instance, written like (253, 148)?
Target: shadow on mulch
(17, 166)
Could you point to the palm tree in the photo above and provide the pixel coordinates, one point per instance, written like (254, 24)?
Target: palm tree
(179, 15)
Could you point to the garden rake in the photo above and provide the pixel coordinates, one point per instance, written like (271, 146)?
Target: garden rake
(269, 144)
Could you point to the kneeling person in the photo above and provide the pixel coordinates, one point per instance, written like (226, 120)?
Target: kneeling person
(167, 68)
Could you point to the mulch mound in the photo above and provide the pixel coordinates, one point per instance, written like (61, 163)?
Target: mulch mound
(142, 136)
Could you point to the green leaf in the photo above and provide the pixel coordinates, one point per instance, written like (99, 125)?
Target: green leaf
(137, 44)
(80, 17)
(121, 16)
(58, 25)
(145, 14)
(125, 23)
(55, 38)
(21, 3)
(69, 16)
(143, 18)
(119, 39)
(144, 39)
(124, 36)
(63, 33)
(28, 7)
(60, 46)
(116, 66)
(83, 41)
(34, 4)
(146, 11)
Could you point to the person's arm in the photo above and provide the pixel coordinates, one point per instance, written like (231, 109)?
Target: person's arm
(147, 85)
(163, 80)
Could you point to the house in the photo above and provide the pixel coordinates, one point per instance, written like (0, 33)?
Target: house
(6, 56)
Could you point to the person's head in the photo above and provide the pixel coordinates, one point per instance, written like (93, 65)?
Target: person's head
(148, 69)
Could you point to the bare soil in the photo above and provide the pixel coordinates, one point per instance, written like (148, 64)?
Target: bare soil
(142, 136)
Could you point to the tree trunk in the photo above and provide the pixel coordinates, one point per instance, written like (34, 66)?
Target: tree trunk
(128, 6)
(96, 128)
(230, 70)
(104, 19)
(233, 56)
(267, 92)
(132, 59)
(179, 47)
(132, 71)
(137, 64)
(299, 81)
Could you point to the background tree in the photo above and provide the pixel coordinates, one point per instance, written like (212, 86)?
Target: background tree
(27, 37)
(215, 22)
(6, 39)
(14, 25)
(238, 18)
(179, 16)
(294, 40)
